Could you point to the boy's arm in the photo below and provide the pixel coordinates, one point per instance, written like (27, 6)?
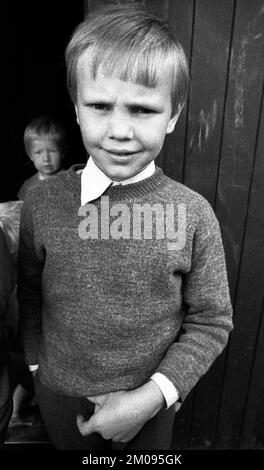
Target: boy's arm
(208, 312)
(30, 266)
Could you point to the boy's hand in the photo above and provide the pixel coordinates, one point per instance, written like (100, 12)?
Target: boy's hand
(120, 415)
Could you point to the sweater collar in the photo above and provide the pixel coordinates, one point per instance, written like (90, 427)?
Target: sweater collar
(118, 192)
(94, 181)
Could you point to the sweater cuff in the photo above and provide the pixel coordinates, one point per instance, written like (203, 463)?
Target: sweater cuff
(167, 388)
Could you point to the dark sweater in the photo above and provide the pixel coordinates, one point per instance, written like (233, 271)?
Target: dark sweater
(103, 314)
(29, 182)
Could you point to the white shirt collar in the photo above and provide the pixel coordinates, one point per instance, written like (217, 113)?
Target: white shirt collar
(94, 181)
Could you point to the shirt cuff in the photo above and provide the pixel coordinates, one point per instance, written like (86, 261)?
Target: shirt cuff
(167, 388)
(33, 367)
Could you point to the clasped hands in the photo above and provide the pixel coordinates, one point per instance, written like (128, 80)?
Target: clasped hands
(120, 415)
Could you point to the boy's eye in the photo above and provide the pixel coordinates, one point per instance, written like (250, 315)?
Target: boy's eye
(100, 106)
(142, 110)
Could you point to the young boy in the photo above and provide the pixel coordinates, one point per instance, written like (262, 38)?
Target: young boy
(45, 144)
(122, 314)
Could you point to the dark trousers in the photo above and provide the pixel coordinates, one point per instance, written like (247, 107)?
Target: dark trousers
(59, 413)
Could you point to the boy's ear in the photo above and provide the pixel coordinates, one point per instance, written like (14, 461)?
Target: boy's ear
(76, 112)
(173, 120)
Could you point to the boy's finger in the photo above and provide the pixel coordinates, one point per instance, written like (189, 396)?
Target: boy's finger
(85, 427)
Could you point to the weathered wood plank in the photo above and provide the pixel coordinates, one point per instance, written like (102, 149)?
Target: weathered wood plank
(212, 32)
(241, 119)
(180, 18)
(235, 179)
(250, 297)
(248, 309)
(210, 66)
(252, 435)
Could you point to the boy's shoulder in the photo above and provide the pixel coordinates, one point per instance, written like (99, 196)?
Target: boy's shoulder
(180, 193)
(31, 180)
(65, 184)
(27, 184)
(199, 212)
(40, 188)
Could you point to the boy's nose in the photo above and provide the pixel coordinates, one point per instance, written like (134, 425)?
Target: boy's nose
(46, 157)
(120, 127)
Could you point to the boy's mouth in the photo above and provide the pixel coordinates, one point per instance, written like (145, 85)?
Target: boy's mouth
(120, 153)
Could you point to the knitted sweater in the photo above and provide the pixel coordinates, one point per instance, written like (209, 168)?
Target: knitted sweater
(103, 308)
(28, 183)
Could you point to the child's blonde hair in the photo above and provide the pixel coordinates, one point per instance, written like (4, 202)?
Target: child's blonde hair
(132, 44)
(45, 126)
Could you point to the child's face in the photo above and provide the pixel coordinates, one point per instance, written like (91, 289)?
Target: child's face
(123, 124)
(45, 155)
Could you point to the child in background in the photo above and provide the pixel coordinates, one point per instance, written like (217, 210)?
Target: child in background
(45, 144)
(121, 325)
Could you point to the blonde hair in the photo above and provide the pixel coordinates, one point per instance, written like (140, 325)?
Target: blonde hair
(45, 126)
(130, 43)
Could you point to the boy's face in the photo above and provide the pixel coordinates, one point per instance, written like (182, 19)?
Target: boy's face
(45, 155)
(123, 124)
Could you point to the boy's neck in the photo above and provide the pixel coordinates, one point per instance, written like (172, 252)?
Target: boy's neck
(94, 181)
(91, 166)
